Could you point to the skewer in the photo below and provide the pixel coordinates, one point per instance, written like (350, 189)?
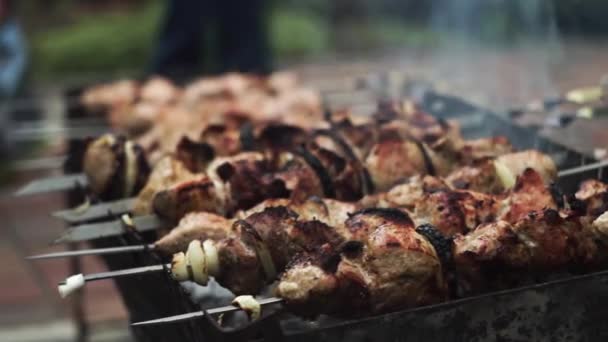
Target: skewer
(96, 211)
(116, 227)
(197, 314)
(583, 168)
(93, 251)
(50, 184)
(77, 281)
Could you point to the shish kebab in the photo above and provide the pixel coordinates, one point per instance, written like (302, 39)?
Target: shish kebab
(377, 261)
(421, 196)
(206, 106)
(486, 177)
(382, 157)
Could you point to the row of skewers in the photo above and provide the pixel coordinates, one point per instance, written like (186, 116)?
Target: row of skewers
(344, 215)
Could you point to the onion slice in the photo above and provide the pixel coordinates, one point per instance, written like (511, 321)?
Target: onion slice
(507, 178)
(71, 285)
(195, 260)
(179, 267)
(250, 305)
(211, 258)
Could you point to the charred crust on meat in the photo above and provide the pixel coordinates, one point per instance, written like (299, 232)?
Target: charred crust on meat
(329, 262)
(225, 171)
(78, 148)
(556, 194)
(278, 212)
(389, 214)
(552, 216)
(247, 230)
(442, 244)
(365, 178)
(247, 137)
(319, 169)
(281, 136)
(578, 207)
(352, 248)
(193, 154)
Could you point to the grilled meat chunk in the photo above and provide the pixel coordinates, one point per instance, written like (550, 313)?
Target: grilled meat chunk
(116, 167)
(594, 196)
(387, 266)
(392, 161)
(501, 254)
(455, 211)
(166, 173)
(194, 226)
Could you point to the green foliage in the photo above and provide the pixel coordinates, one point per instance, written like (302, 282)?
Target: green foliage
(97, 43)
(298, 33)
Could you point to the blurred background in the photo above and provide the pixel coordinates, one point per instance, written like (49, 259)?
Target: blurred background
(501, 53)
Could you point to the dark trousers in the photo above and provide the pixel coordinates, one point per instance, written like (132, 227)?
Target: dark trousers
(240, 38)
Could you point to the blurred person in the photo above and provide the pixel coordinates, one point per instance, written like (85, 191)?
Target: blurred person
(13, 60)
(240, 41)
(13, 52)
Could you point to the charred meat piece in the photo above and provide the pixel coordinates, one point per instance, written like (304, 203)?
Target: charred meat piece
(455, 211)
(388, 266)
(500, 254)
(392, 161)
(481, 177)
(194, 155)
(406, 195)
(194, 226)
(594, 196)
(166, 173)
(530, 193)
(196, 195)
(116, 167)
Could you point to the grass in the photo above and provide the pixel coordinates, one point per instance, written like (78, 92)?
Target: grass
(100, 43)
(112, 43)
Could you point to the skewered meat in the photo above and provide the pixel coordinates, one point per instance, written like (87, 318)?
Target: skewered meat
(116, 167)
(166, 173)
(194, 226)
(385, 265)
(498, 175)
(594, 194)
(500, 254)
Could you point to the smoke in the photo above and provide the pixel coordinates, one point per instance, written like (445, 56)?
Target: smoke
(503, 49)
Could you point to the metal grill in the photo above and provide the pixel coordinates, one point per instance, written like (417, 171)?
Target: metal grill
(559, 310)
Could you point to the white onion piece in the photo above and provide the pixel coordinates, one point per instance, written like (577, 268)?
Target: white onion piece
(507, 178)
(211, 258)
(179, 267)
(195, 257)
(127, 220)
(130, 169)
(250, 305)
(71, 285)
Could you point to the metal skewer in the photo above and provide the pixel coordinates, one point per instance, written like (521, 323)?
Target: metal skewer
(197, 314)
(77, 281)
(93, 251)
(151, 222)
(116, 227)
(96, 211)
(123, 273)
(50, 184)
